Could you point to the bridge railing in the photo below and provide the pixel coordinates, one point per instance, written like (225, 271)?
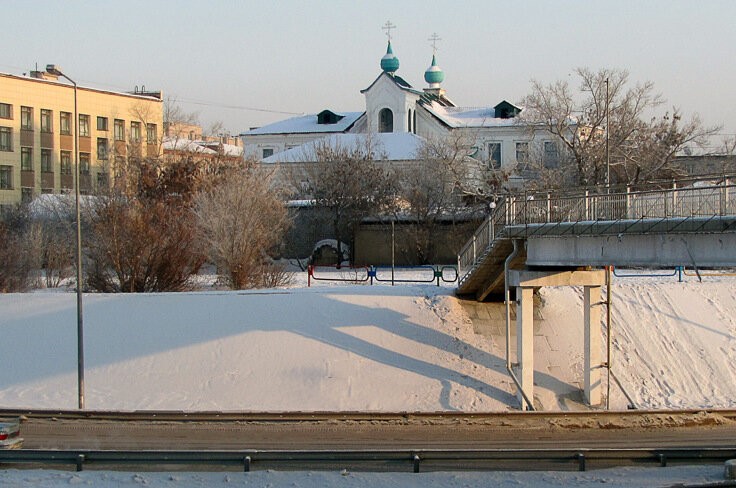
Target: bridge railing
(703, 199)
(676, 202)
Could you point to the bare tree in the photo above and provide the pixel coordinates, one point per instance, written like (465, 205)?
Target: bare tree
(174, 114)
(241, 220)
(434, 190)
(18, 257)
(142, 234)
(348, 182)
(641, 146)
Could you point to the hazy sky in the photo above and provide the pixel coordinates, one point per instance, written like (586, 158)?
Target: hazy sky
(224, 59)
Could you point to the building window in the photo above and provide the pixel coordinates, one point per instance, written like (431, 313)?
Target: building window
(101, 148)
(65, 123)
(66, 162)
(101, 123)
(102, 180)
(26, 195)
(494, 155)
(26, 159)
(84, 163)
(551, 155)
(267, 153)
(26, 118)
(46, 120)
(119, 130)
(46, 165)
(6, 111)
(135, 131)
(83, 125)
(385, 120)
(151, 133)
(6, 139)
(522, 152)
(6, 177)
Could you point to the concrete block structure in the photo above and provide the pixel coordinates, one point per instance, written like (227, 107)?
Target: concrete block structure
(525, 283)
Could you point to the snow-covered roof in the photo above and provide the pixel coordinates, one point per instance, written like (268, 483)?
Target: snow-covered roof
(181, 144)
(232, 150)
(394, 146)
(227, 149)
(306, 124)
(397, 80)
(468, 116)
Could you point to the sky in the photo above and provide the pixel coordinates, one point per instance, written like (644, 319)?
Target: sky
(250, 63)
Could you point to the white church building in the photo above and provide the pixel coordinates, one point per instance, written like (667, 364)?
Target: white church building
(392, 107)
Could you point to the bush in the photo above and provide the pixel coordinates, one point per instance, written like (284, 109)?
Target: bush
(241, 220)
(16, 262)
(143, 236)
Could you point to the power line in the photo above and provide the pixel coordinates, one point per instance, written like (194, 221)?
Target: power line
(236, 107)
(93, 84)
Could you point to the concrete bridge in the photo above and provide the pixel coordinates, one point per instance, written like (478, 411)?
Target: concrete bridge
(544, 239)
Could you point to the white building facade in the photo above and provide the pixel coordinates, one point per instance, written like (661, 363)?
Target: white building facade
(392, 105)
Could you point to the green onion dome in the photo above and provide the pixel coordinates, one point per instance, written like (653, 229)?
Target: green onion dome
(389, 62)
(434, 74)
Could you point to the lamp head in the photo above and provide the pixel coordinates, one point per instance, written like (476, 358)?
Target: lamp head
(53, 69)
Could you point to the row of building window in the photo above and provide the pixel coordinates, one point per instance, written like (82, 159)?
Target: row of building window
(26, 161)
(65, 124)
(6, 182)
(550, 158)
(6, 171)
(6, 144)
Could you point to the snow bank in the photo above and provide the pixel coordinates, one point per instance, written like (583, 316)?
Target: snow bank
(358, 348)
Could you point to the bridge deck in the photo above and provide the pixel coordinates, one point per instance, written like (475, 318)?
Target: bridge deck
(689, 211)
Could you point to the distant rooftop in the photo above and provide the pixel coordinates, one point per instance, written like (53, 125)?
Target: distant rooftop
(43, 77)
(395, 146)
(501, 115)
(310, 124)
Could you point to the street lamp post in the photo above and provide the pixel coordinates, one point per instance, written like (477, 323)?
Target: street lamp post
(55, 70)
(608, 129)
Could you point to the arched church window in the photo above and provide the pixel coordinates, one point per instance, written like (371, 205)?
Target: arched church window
(408, 121)
(385, 120)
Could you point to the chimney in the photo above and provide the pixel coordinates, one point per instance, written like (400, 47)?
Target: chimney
(43, 75)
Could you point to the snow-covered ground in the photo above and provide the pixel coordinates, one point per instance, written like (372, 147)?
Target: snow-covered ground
(610, 478)
(354, 347)
(358, 348)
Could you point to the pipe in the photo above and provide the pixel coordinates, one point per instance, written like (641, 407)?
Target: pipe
(507, 301)
(608, 336)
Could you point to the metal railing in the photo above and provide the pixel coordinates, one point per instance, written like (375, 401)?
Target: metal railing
(386, 460)
(491, 229)
(698, 200)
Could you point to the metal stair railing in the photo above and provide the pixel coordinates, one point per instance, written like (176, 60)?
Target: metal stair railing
(480, 243)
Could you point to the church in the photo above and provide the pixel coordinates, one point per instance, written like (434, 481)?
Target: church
(399, 117)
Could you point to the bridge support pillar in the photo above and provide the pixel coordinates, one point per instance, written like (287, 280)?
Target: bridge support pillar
(592, 343)
(525, 342)
(525, 283)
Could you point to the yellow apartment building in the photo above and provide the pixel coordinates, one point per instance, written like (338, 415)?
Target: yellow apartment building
(37, 134)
